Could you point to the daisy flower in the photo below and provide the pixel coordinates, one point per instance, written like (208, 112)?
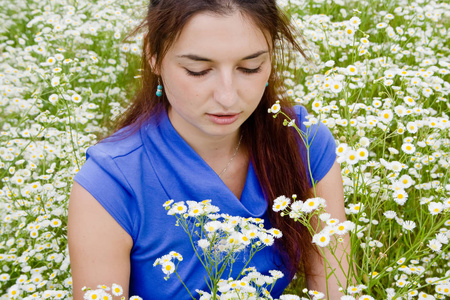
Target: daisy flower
(266, 239)
(275, 108)
(355, 208)
(400, 197)
(409, 100)
(316, 294)
(168, 267)
(435, 207)
(116, 290)
(289, 297)
(53, 98)
(386, 116)
(213, 226)
(352, 157)
(336, 86)
(55, 81)
(280, 203)
(341, 149)
(405, 181)
(408, 225)
(345, 227)
(435, 245)
(362, 153)
(275, 232)
(312, 204)
(297, 206)
(178, 208)
(167, 203)
(423, 295)
(408, 148)
(76, 98)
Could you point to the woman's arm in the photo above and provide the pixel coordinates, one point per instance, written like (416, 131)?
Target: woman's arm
(99, 247)
(331, 189)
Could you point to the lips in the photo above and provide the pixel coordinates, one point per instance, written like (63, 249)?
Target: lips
(223, 119)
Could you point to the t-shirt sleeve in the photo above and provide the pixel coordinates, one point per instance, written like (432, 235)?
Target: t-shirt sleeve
(321, 147)
(103, 179)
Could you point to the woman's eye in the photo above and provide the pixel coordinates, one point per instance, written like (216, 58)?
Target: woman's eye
(251, 71)
(197, 74)
(202, 73)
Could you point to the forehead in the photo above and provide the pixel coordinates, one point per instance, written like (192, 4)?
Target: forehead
(220, 37)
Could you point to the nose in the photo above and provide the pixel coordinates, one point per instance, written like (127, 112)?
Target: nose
(225, 91)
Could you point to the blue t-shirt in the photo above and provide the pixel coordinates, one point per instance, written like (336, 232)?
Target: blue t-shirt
(132, 178)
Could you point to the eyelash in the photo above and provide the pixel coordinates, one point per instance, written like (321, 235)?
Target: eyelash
(203, 73)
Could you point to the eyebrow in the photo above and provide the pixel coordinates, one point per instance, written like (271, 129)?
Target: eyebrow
(199, 58)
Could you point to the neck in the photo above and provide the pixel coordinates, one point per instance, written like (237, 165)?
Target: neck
(215, 148)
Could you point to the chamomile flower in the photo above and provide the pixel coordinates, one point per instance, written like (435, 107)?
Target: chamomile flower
(280, 203)
(408, 225)
(412, 127)
(312, 204)
(275, 232)
(336, 86)
(386, 116)
(289, 297)
(167, 203)
(266, 239)
(178, 208)
(355, 208)
(409, 100)
(168, 267)
(435, 207)
(362, 154)
(366, 297)
(341, 149)
(213, 226)
(426, 296)
(76, 98)
(352, 157)
(275, 108)
(316, 294)
(116, 290)
(55, 81)
(400, 196)
(53, 98)
(435, 245)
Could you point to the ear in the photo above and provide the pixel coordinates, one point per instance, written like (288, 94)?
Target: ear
(152, 62)
(151, 59)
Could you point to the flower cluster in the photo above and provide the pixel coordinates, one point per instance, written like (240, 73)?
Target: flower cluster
(218, 239)
(167, 262)
(55, 98)
(104, 292)
(253, 285)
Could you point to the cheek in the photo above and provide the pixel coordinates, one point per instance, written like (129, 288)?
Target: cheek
(177, 87)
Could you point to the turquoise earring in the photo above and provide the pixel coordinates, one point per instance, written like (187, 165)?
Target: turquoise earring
(159, 89)
(267, 83)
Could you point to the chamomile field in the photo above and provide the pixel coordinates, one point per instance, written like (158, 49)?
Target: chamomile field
(378, 77)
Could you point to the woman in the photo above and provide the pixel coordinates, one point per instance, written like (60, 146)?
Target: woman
(199, 129)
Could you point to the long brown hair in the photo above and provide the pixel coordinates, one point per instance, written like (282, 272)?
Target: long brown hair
(273, 148)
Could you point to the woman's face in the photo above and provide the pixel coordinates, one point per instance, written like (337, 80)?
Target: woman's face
(214, 75)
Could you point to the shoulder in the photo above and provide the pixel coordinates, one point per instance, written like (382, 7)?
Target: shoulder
(110, 173)
(120, 144)
(111, 161)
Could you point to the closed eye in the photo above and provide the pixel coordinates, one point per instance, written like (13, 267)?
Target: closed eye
(204, 72)
(197, 74)
(251, 71)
